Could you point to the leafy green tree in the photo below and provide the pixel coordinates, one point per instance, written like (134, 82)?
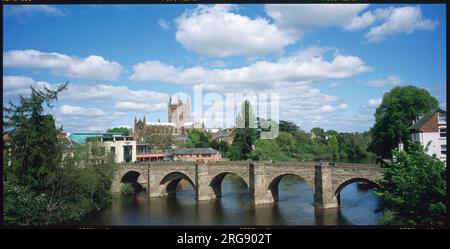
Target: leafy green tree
(334, 146)
(319, 133)
(288, 126)
(413, 188)
(157, 139)
(303, 143)
(124, 130)
(269, 149)
(395, 115)
(197, 139)
(221, 146)
(287, 143)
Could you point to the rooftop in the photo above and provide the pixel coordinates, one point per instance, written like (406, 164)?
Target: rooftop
(80, 137)
(417, 125)
(191, 151)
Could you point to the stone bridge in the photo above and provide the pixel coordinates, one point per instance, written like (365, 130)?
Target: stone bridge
(262, 178)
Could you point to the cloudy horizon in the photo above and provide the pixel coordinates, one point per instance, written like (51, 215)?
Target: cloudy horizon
(329, 64)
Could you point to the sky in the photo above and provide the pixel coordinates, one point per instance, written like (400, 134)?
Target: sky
(329, 65)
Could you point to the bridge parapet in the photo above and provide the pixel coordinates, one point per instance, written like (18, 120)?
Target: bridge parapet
(262, 178)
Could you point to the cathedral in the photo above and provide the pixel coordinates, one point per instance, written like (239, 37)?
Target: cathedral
(178, 125)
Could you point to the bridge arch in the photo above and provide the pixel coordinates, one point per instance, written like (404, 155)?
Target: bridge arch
(135, 178)
(216, 182)
(273, 185)
(171, 180)
(342, 184)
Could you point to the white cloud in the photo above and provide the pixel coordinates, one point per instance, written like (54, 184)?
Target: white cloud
(216, 31)
(17, 85)
(164, 24)
(91, 68)
(300, 18)
(402, 20)
(133, 106)
(390, 80)
(306, 65)
(80, 111)
(333, 85)
(28, 10)
(14, 86)
(358, 23)
(373, 103)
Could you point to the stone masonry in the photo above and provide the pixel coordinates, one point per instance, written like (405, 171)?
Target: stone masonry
(262, 178)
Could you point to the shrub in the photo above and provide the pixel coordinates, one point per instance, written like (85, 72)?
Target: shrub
(126, 189)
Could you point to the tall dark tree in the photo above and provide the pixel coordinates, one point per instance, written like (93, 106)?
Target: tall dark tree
(395, 115)
(35, 151)
(245, 135)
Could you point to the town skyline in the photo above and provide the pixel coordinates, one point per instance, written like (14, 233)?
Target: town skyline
(330, 74)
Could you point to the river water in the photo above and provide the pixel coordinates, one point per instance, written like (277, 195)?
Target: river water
(295, 207)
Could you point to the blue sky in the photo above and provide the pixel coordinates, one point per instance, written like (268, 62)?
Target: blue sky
(329, 64)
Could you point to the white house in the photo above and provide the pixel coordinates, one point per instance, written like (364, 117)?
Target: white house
(124, 147)
(432, 128)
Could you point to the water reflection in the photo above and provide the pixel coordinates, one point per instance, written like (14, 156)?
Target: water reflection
(295, 207)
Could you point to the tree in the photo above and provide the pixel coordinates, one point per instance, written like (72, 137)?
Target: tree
(197, 139)
(413, 188)
(395, 115)
(288, 126)
(43, 187)
(124, 130)
(221, 146)
(157, 138)
(35, 151)
(245, 134)
(319, 133)
(334, 146)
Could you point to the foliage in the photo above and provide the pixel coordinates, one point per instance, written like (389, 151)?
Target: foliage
(43, 185)
(319, 133)
(245, 135)
(158, 140)
(288, 126)
(124, 130)
(33, 138)
(126, 189)
(269, 149)
(394, 116)
(334, 146)
(413, 188)
(221, 146)
(197, 139)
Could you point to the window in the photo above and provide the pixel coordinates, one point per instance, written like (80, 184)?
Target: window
(113, 149)
(442, 119)
(444, 149)
(443, 132)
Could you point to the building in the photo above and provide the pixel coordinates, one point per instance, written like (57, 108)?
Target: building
(226, 135)
(431, 130)
(124, 147)
(177, 126)
(150, 157)
(197, 155)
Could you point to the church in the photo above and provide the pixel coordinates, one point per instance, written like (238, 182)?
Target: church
(178, 125)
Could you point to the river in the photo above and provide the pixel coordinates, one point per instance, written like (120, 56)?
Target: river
(295, 207)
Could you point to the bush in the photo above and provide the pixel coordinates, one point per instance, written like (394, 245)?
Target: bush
(24, 207)
(126, 189)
